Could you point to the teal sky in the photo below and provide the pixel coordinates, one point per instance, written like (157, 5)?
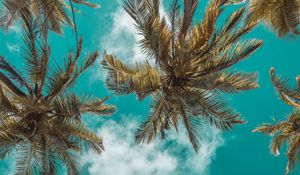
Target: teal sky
(237, 152)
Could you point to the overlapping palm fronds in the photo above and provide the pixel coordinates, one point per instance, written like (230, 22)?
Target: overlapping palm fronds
(38, 118)
(287, 131)
(282, 15)
(51, 14)
(192, 67)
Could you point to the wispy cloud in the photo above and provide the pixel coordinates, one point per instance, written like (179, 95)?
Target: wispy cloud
(171, 156)
(13, 47)
(122, 40)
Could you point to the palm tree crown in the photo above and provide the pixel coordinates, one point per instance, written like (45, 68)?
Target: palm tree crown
(191, 69)
(282, 15)
(287, 131)
(49, 13)
(37, 118)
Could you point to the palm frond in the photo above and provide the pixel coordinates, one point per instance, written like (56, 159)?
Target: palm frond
(72, 105)
(191, 124)
(26, 159)
(210, 108)
(85, 2)
(271, 129)
(282, 15)
(189, 11)
(295, 115)
(80, 131)
(201, 33)
(51, 14)
(64, 77)
(292, 152)
(155, 31)
(7, 106)
(241, 51)
(277, 143)
(236, 82)
(8, 138)
(141, 79)
(13, 74)
(32, 50)
(282, 86)
(149, 129)
(7, 83)
(70, 158)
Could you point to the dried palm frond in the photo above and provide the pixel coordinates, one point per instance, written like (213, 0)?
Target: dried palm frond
(51, 14)
(282, 15)
(287, 131)
(193, 62)
(38, 118)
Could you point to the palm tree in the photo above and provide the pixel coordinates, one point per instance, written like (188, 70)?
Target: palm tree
(191, 70)
(285, 131)
(282, 15)
(50, 13)
(38, 118)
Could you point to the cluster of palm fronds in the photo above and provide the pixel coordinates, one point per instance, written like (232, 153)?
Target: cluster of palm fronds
(282, 15)
(39, 120)
(49, 14)
(286, 131)
(192, 67)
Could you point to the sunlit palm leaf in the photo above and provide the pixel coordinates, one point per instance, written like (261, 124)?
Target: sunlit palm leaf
(282, 15)
(141, 79)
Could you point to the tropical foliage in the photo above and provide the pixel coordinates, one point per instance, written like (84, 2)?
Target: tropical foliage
(50, 14)
(286, 131)
(191, 68)
(39, 118)
(282, 15)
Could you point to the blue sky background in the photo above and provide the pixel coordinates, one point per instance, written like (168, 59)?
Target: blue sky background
(232, 153)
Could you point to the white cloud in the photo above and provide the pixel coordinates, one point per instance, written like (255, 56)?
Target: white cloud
(169, 157)
(122, 40)
(13, 47)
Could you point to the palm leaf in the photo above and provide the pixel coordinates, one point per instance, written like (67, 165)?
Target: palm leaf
(189, 10)
(282, 15)
(149, 129)
(276, 143)
(271, 129)
(141, 79)
(192, 126)
(211, 108)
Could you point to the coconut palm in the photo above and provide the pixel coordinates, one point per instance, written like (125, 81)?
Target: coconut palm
(50, 13)
(38, 117)
(191, 69)
(282, 15)
(286, 131)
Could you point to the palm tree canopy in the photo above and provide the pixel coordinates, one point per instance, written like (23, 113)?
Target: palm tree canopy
(287, 131)
(37, 115)
(282, 15)
(50, 13)
(192, 67)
